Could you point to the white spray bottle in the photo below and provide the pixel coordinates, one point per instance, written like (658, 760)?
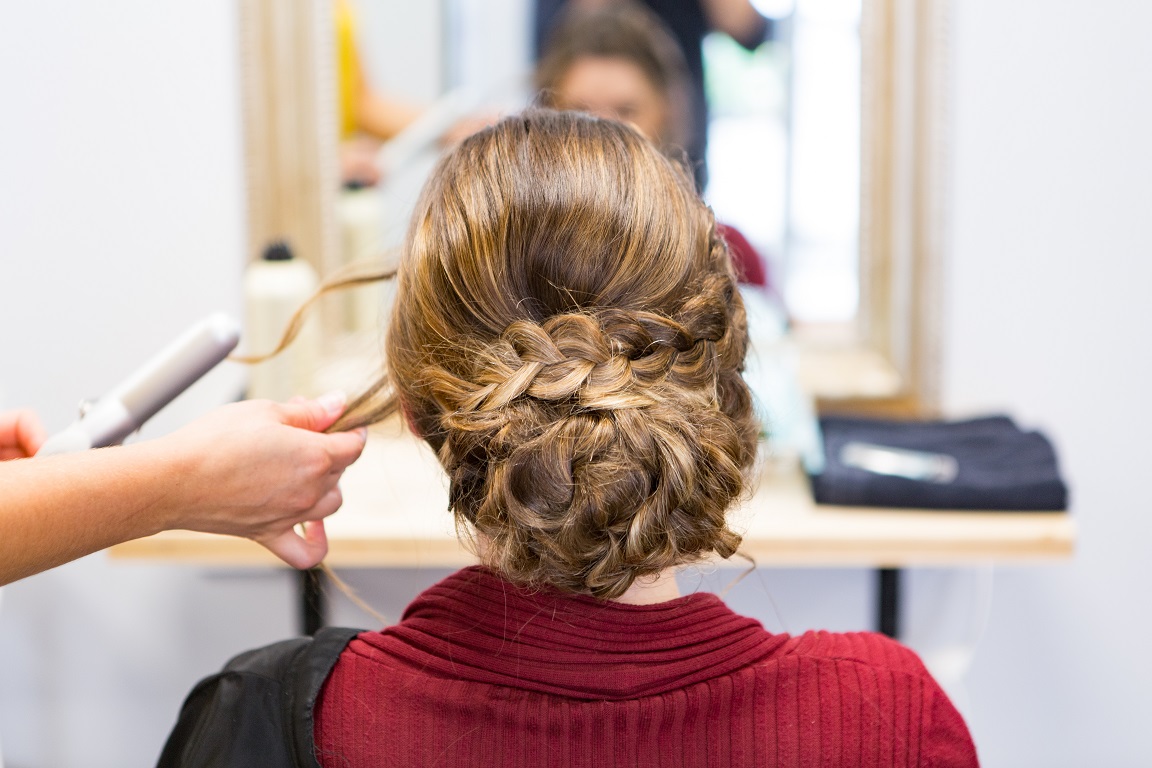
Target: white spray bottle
(275, 287)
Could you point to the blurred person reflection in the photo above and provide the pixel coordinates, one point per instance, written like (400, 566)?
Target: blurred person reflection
(368, 116)
(618, 61)
(688, 21)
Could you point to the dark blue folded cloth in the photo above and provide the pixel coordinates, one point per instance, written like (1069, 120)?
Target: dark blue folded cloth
(998, 466)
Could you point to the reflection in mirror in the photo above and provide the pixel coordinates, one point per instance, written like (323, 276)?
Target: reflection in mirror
(784, 151)
(825, 151)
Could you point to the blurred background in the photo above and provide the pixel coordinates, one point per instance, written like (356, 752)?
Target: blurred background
(122, 220)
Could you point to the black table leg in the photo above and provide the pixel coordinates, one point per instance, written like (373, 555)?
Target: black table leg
(888, 601)
(313, 605)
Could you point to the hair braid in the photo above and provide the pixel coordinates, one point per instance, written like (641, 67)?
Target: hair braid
(568, 337)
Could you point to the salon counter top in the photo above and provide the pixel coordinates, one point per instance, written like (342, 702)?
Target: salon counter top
(395, 515)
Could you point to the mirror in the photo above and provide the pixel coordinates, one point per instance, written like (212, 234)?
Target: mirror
(871, 348)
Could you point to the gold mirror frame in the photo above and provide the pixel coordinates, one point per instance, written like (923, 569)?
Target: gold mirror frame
(892, 364)
(904, 101)
(291, 165)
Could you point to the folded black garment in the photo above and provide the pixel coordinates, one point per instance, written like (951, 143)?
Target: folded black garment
(985, 463)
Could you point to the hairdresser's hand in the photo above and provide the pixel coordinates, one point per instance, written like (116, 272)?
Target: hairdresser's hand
(21, 434)
(358, 164)
(467, 126)
(259, 468)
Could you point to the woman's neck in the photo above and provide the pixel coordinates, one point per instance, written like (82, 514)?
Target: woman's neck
(646, 590)
(652, 589)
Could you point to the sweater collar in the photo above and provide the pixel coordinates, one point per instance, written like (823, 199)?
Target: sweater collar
(477, 626)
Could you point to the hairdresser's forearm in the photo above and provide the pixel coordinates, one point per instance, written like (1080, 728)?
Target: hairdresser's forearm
(383, 117)
(57, 508)
(254, 469)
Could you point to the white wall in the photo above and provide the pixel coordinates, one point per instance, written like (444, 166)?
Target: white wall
(121, 222)
(120, 189)
(491, 54)
(391, 39)
(1047, 314)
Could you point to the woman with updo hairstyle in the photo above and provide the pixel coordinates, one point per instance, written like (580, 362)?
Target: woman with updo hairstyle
(589, 409)
(567, 336)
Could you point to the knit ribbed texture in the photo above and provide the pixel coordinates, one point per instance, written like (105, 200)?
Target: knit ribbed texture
(483, 673)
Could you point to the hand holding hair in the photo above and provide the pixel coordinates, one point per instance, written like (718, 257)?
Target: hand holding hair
(260, 468)
(253, 469)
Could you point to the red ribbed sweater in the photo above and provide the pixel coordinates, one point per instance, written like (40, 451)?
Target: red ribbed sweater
(482, 673)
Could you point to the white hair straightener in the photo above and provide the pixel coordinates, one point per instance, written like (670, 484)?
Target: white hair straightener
(124, 410)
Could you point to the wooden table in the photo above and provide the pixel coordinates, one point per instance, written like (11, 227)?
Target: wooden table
(395, 515)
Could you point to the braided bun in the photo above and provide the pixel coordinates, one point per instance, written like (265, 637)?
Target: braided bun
(568, 337)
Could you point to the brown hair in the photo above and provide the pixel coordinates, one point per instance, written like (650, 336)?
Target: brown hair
(568, 337)
(620, 30)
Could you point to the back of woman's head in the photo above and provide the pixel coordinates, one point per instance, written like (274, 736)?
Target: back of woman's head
(567, 336)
